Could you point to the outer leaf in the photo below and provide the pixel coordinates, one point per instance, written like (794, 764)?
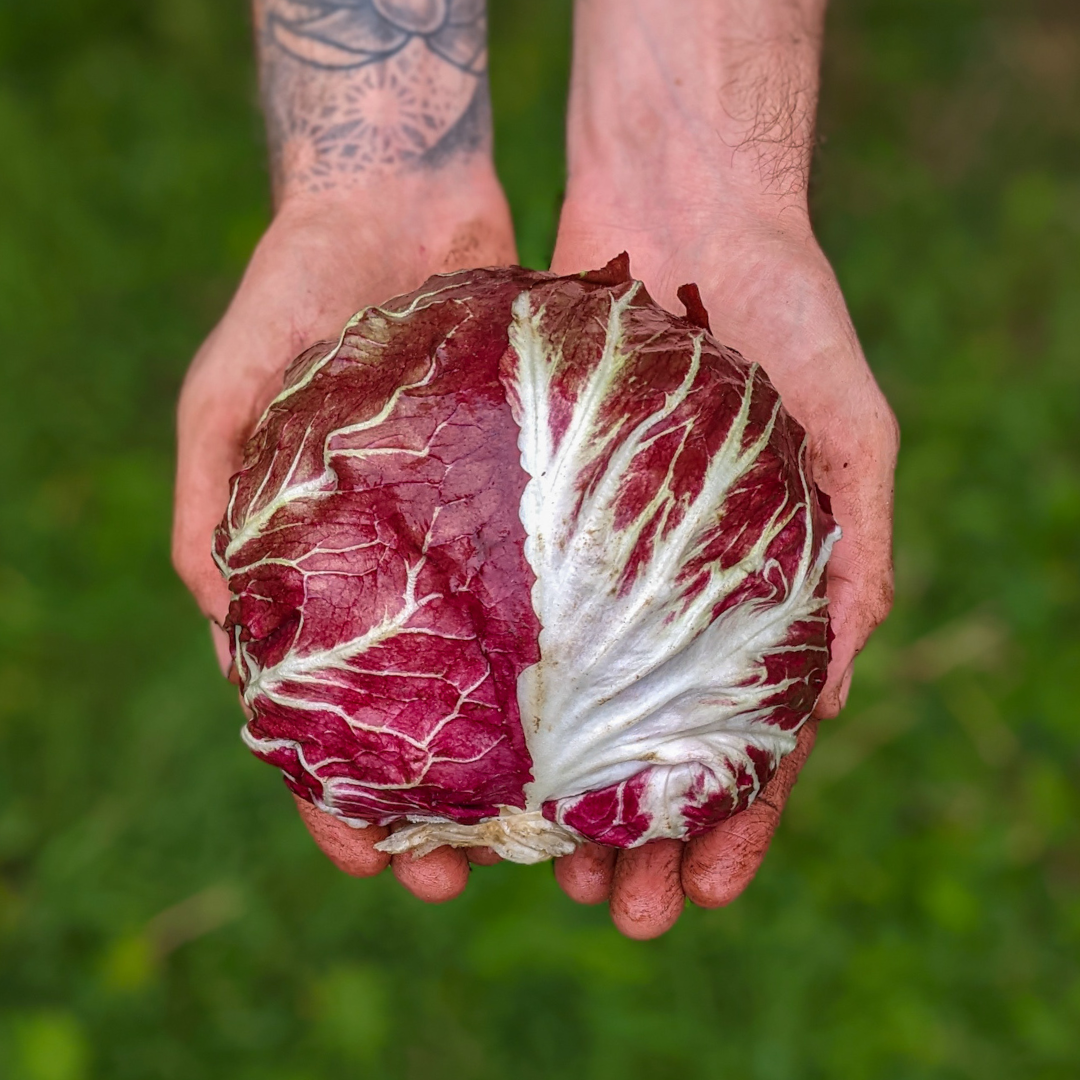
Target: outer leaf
(381, 610)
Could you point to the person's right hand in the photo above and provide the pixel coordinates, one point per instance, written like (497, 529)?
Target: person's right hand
(322, 259)
(689, 137)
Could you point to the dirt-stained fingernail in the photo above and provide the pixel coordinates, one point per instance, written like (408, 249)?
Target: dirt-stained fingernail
(845, 685)
(223, 651)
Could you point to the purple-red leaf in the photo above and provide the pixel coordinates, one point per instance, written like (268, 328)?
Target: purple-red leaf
(523, 560)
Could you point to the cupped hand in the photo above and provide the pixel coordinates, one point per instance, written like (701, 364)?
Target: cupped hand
(772, 295)
(322, 259)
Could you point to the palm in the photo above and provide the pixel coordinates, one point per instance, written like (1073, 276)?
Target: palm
(772, 295)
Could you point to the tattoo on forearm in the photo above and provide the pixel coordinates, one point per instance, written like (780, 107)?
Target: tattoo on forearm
(357, 85)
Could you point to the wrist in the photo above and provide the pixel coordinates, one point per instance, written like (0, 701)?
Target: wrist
(429, 220)
(397, 201)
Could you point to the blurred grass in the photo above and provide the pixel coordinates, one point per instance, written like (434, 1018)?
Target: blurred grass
(162, 913)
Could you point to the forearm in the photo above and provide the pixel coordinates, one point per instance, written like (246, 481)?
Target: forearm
(710, 99)
(367, 92)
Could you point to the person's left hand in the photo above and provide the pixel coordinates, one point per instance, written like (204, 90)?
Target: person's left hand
(772, 295)
(323, 257)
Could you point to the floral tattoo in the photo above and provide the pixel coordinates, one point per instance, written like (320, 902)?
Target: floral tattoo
(356, 85)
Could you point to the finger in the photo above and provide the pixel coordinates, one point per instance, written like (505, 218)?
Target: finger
(717, 866)
(585, 875)
(218, 408)
(646, 892)
(857, 606)
(860, 571)
(223, 652)
(209, 452)
(834, 695)
(483, 856)
(433, 878)
(349, 849)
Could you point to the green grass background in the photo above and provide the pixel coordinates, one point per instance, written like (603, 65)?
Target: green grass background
(162, 912)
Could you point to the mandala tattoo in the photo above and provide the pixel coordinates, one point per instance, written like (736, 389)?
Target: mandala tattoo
(353, 85)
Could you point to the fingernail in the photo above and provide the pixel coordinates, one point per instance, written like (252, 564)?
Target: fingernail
(222, 651)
